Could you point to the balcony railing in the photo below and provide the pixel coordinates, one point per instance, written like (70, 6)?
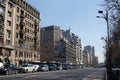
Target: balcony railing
(22, 23)
(22, 32)
(21, 40)
(35, 23)
(23, 15)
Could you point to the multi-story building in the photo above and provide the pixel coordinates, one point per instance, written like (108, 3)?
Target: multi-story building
(90, 49)
(59, 45)
(92, 59)
(67, 52)
(76, 41)
(91, 52)
(50, 36)
(85, 58)
(19, 31)
(95, 62)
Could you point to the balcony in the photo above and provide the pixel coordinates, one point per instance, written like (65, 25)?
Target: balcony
(21, 40)
(22, 15)
(35, 31)
(22, 23)
(35, 38)
(35, 46)
(35, 23)
(22, 32)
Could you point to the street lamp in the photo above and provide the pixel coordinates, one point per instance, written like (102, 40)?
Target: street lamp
(108, 53)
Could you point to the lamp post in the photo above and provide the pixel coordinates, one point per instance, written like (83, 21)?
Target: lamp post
(108, 52)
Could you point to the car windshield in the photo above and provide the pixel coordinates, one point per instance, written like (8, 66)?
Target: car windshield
(41, 65)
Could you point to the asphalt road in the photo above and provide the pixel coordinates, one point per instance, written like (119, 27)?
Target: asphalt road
(75, 74)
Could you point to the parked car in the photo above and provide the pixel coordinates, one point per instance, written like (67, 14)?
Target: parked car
(1, 65)
(36, 67)
(66, 66)
(52, 67)
(59, 66)
(27, 68)
(43, 67)
(9, 69)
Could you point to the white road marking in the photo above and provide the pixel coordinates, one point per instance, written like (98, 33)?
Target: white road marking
(87, 78)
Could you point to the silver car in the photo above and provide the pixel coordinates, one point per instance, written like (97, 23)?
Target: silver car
(43, 67)
(27, 68)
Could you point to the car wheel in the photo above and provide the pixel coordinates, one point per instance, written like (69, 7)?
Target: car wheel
(7, 72)
(42, 70)
(16, 72)
(26, 70)
(33, 71)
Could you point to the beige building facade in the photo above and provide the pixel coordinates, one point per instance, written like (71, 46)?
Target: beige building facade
(50, 35)
(19, 31)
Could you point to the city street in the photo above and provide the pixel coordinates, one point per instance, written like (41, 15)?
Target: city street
(74, 74)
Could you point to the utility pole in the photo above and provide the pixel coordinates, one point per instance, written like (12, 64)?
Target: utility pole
(108, 50)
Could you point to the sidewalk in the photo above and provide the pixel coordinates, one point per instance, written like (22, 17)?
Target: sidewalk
(115, 75)
(116, 72)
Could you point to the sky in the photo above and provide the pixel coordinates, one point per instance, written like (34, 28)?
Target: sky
(79, 16)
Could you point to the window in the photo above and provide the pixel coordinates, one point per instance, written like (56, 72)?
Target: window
(2, 1)
(17, 26)
(7, 53)
(9, 5)
(1, 30)
(8, 23)
(15, 53)
(1, 41)
(9, 14)
(7, 42)
(8, 33)
(17, 35)
(32, 25)
(17, 18)
(18, 9)
(20, 54)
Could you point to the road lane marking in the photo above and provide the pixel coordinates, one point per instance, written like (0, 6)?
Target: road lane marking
(87, 78)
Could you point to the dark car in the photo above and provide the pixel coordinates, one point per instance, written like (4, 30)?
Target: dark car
(52, 67)
(9, 69)
(66, 66)
(59, 66)
(43, 67)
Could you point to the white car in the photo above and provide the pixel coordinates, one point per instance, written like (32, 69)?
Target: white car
(27, 68)
(1, 65)
(36, 67)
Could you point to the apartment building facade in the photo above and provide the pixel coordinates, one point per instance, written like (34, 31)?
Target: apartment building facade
(85, 58)
(92, 59)
(50, 35)
(76, 42)
(60, 46)
(19, 31)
